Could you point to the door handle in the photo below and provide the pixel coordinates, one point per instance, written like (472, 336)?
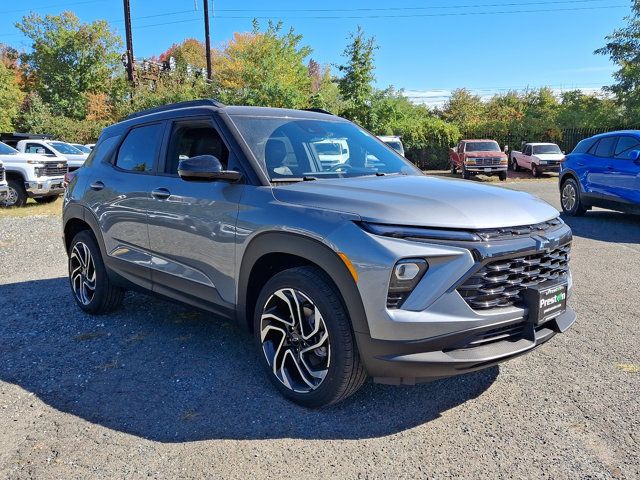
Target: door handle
(161, 193)
(97, 185)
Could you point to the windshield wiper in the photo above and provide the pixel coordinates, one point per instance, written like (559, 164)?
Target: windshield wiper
(306, 178)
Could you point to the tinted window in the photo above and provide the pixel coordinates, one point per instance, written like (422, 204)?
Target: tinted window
(103, 150)
(65, 148)
(625, 145)
(193, 139)
(139, 149)
(605, 147)
(583, 146)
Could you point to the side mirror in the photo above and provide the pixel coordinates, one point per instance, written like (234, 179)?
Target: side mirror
(634, 155)
(205, 168)
(506, 148)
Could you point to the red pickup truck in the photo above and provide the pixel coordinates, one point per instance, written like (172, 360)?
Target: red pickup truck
(473, 157)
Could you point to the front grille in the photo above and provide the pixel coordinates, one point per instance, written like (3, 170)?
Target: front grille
(512, 332)
(500, 283)
(488, 162)
(395, 299)
(53, 169)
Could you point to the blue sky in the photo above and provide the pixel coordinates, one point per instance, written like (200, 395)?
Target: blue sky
(426, 47)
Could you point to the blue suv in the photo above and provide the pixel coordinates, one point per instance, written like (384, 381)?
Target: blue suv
(602, 171)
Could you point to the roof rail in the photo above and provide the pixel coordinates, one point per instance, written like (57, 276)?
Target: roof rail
(317, 110)
(204, 102)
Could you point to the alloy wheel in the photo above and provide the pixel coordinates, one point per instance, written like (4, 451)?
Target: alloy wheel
(82, 271)
(295, 340)
(11, 198)
(568, 196)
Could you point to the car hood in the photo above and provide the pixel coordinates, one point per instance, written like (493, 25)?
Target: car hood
(27, 156)
(549, 156)
(420, 201)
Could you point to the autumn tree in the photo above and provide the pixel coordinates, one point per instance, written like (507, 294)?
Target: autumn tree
(188, 52)
(263, 68)
(69, 59)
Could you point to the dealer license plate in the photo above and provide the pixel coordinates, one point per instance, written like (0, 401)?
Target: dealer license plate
(546, 301)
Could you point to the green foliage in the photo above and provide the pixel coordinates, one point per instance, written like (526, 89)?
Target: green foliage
(68, 59)
(188, 52)
(356, 84)
(623, 48)
(263, 68)
(10, 97)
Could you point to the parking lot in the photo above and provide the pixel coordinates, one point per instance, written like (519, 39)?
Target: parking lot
(161, 391)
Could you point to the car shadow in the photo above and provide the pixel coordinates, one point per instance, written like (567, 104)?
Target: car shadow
(606, 226)
(165, 373)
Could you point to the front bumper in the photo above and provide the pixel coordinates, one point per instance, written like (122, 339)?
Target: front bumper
(486, 170)
(50, 186)
(548, 168)
(407, 362)
(4, 190)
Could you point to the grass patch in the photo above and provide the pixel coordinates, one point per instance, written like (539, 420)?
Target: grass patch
(32, 208)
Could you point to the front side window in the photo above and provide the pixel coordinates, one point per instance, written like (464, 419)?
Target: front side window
(482, 147)
(296, 149)
(37, 148)
(138, 151)
(191, 140)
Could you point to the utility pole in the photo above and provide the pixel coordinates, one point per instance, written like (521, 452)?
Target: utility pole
(207, 38)
(127, 28)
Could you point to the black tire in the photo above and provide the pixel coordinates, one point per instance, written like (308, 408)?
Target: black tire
(48, 199)
(106, 297)
(466, 175)
(534, 170)
(314, 291)
(570, 198)
(454, 169)
(514, 165)
(17, 196)
(502, 176)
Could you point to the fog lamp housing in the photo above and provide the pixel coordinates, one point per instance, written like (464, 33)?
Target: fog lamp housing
(404, 277)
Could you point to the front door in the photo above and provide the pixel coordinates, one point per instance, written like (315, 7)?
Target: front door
(192, 225)
(623, 173)
(598, 161)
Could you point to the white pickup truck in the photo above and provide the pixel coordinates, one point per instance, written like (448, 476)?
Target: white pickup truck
(30, 175)
(537, 157)
(54, 149)
(4, 189)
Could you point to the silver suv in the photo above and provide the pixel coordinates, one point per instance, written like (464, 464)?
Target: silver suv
(362, 268)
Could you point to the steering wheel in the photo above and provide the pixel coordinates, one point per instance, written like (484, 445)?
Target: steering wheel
(341, 166)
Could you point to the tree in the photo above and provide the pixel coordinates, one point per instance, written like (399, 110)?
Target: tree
(69, 59)
(10, 93)
(623, 48)
(578, 110)
(356, 85)
(464, 109)
(188, 52)
(263, 68)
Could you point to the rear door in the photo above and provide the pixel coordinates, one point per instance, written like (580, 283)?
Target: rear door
(623, 174)
(118, 193)
(598, 160)
(192, 225)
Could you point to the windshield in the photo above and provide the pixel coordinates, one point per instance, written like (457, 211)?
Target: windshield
(546, 149)
(397, 146)
(82, 148)
(65, 148)
(297, 149)
(482, 147)
(7, 150)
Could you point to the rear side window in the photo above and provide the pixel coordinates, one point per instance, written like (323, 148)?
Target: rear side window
(605, 146)
(139, 150)
(583, 146)
(103, 150)
(625, 145)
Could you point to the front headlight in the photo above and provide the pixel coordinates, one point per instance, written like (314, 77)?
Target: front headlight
(35, 162)
(543, 162)
(470, 161)
(40, 171)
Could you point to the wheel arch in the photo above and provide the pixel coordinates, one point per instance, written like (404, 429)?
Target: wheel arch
(272, 252)
(77, 218)
(566, 176)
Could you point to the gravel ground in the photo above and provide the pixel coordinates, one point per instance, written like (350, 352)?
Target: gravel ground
(157, 390)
